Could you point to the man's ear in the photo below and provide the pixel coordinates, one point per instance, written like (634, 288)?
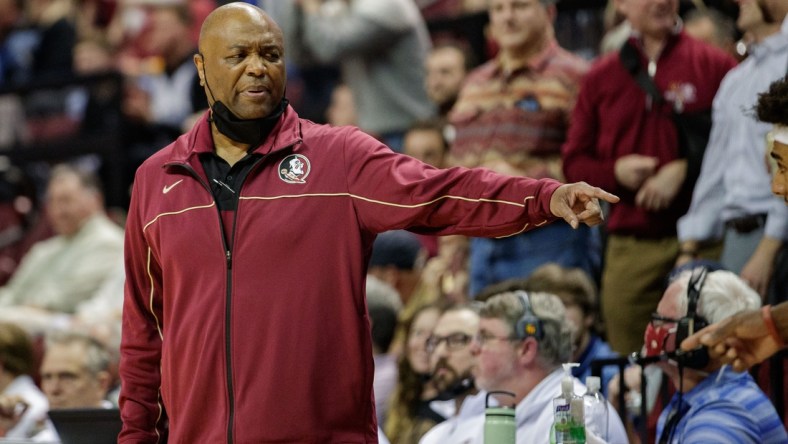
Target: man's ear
(528, 351)
(552, 13)
(104, 379)
(199, 62)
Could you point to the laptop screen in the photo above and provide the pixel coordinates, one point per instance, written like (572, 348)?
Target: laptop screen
(86, 426)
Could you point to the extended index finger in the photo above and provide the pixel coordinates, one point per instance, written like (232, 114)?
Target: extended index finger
(604, 195)
(705, 336)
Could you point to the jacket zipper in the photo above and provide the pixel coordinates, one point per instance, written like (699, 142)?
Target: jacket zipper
(228, 298)
(229, 265)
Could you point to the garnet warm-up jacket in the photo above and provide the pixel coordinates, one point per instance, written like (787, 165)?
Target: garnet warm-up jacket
(269, 341)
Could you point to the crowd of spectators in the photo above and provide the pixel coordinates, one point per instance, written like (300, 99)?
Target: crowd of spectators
(534, 102)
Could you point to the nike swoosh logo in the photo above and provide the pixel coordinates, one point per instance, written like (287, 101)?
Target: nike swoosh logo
(167, 188)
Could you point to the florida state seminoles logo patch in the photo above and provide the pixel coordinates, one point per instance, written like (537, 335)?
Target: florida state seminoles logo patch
(294, 168)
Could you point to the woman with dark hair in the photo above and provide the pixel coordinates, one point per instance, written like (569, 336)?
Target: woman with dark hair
(410, 415)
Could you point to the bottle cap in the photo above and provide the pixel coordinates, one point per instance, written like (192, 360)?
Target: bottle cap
(593, 383)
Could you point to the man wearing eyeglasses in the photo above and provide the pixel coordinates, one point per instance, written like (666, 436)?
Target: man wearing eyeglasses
(451, 362)
(712, 403)
(526, 363)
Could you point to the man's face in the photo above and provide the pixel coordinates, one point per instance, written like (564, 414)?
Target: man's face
(660, 335)
(780, 176)
(518, 24)
(243, 63)
(445, 73)
(166, 29)
(66, 381)
(425, 145)
(655, 18)
(69, 204)
(496, 355)
(451, 359)
(750, 15)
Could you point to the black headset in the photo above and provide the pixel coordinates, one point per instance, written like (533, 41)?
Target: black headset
(528, 325)
(692, 322)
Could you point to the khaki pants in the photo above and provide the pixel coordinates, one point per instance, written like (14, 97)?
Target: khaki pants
(633, 280)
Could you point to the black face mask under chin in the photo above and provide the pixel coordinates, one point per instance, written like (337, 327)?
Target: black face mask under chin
(248, 131)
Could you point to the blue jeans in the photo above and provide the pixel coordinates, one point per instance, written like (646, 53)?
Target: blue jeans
(495, 260)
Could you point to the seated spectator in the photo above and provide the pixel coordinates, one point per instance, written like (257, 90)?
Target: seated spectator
(425, 140)
(410, 415)
(397, 259)
(452, 363)
(60, 276)
(578, 294)
(712, 403)
(22, 404)
(523, 340)
(74, 374)
(446, 66)
(383, 305)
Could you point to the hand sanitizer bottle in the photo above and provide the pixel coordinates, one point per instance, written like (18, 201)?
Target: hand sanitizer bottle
(569, 423)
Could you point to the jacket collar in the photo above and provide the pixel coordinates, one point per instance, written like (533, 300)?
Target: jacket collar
(286, 134)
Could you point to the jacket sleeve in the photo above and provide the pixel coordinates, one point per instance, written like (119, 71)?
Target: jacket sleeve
(579, 153)
(141, 408)
(394, 191)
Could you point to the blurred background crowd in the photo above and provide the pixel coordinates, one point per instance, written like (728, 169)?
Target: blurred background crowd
(90, 88)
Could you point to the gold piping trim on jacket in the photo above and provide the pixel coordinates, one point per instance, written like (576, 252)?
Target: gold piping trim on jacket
(171, 213)
(150, 299)
(391, 204)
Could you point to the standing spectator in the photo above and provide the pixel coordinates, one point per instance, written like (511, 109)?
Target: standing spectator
(22, 404)
(622, 138)
(511, 116)
(341, 110)
(380, 46)
(165, 98)
(732, 199)
(61, 274)
(713, 27)
(57, 36)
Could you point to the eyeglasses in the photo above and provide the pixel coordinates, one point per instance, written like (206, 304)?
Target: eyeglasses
(482, 338)
(454, 341)
(657, 320)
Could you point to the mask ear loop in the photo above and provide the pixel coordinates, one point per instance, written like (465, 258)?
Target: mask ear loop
(210, 91)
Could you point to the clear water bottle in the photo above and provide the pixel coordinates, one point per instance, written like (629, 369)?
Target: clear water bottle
(596, 413)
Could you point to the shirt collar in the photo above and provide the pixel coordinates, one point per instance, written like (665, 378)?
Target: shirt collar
(534, 403)
(771, 44)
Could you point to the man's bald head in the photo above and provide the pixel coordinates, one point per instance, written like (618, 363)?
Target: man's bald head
(221, 16)
(241, 60)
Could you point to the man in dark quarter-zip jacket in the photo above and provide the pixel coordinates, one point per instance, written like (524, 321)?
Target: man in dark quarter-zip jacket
(246, 249)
